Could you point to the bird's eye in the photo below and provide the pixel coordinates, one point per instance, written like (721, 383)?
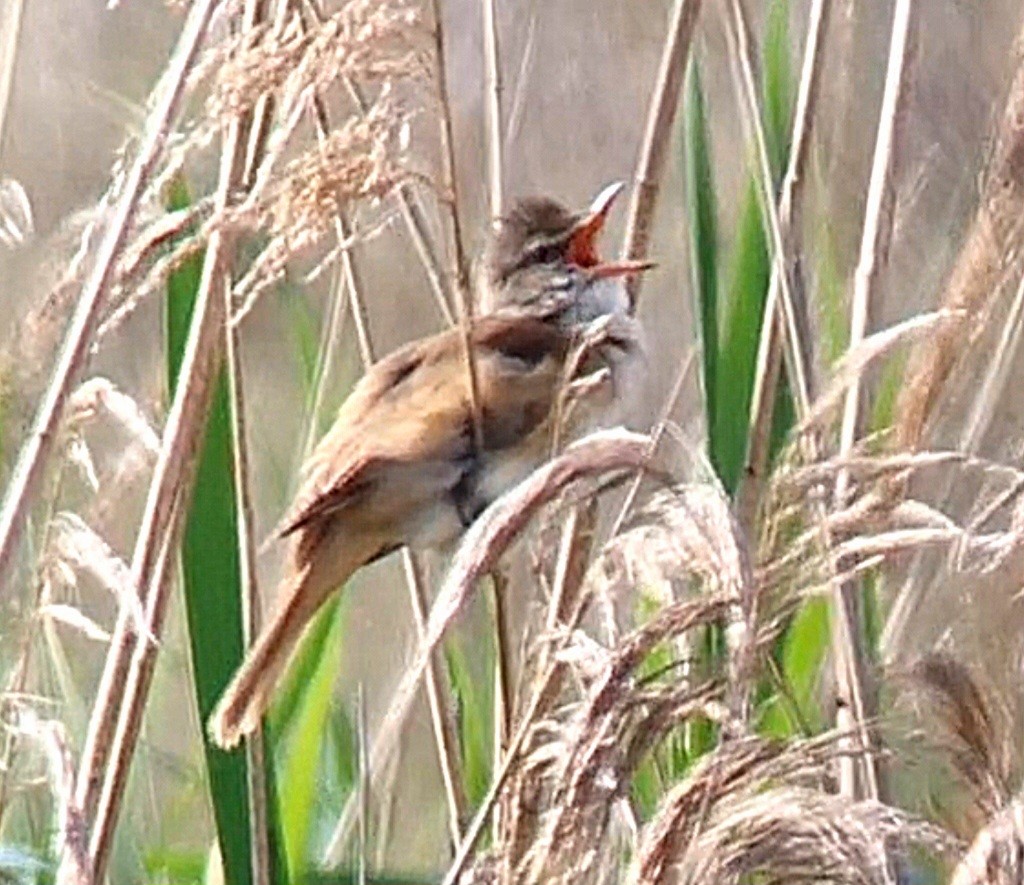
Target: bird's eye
(547, 253)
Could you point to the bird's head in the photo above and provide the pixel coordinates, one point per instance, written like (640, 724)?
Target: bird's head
(539, 234)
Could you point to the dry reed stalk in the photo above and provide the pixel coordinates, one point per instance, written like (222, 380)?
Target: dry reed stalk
(740, 55)
(426, 250)
(657, 136)
(657, 433)
(363, 789)
(503, 638)
(453, 222)
(493, 90)
(33, 457)
(254, 13)
(850, 676)
(10, 33)
(350, 280)
(773, 325)
(492, 83)
(114, 725)
(518, 104)
(330, 340)
(854, 691)
(104, 787)
(976, 278)
(441, 709)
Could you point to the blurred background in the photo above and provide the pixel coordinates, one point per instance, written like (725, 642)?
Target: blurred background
(578, 75)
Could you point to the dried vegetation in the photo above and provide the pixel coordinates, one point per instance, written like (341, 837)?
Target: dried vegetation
(633, 745)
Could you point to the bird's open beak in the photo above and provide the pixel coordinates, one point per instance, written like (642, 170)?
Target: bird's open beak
(583, 240)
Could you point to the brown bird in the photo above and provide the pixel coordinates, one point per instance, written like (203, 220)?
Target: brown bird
(400, 466)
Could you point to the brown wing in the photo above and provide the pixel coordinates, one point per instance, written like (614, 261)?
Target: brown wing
(413, 406)
(343, 464)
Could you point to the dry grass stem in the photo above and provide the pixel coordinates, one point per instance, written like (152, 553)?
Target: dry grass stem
(114, 726)
(450, 214)
(657, 135)
(657, 433)
(773, 325)
(493, 90)
(255, 747)
(338, 305)
(10, 39)
(445, 734)
(71, 360)
(848, 644)
(526, 63)
(801, 382)
(851, 679)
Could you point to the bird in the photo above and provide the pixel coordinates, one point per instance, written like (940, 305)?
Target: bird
(407, 461)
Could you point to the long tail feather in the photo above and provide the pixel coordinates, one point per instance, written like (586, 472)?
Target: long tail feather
(246, 698)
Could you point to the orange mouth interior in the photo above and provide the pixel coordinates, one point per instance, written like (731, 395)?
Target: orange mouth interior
(582, 249)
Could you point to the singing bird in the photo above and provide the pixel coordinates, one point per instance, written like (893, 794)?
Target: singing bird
(401, 464)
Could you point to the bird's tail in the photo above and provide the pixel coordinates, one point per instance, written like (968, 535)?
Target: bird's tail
(246, 698)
